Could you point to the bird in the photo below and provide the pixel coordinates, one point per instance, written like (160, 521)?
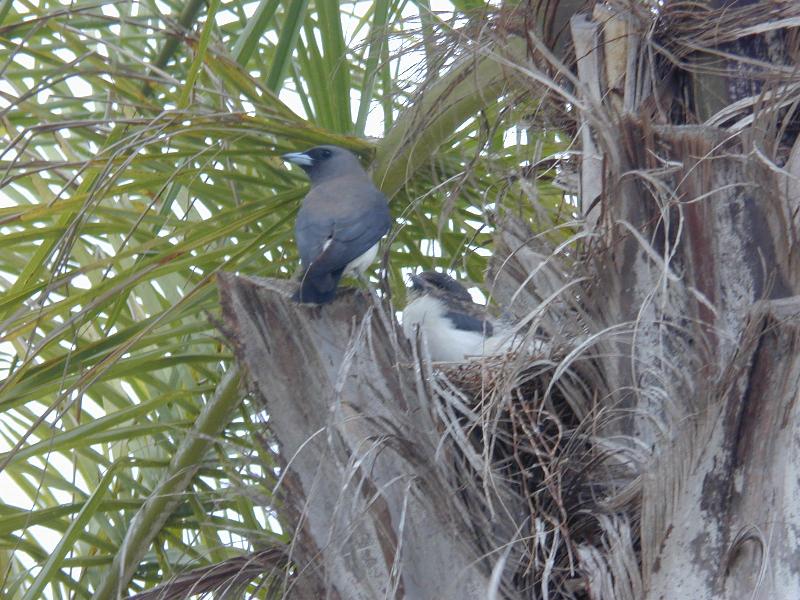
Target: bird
(340, 221)
(454, 326)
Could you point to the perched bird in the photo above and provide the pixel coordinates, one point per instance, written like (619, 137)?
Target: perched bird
(341, 221)
(454, 326)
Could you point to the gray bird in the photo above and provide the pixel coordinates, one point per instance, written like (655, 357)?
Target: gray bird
(341, 221)
(454, 326)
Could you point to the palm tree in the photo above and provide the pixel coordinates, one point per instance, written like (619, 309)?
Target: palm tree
(633, 460)
(141, 159)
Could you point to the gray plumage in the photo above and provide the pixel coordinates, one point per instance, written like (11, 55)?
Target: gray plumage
(341, 221)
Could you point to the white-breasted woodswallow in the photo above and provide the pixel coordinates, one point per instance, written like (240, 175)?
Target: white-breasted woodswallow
(340, 222)
(454, 326)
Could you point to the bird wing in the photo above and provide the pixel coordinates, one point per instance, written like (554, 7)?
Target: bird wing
(467, 316)
(329, 238)
(311, 234)
(468, 322)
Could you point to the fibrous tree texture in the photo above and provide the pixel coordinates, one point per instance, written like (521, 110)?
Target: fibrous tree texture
(373, 516)
(696, 255)
(650, 451)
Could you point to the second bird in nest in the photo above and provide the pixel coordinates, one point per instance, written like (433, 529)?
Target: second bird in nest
(454, 327)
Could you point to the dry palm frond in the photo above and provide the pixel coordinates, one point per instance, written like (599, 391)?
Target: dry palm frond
(224, 577)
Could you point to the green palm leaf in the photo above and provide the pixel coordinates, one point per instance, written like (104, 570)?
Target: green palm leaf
(141, 157)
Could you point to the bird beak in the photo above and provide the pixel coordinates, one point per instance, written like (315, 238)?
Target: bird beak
(298, 158)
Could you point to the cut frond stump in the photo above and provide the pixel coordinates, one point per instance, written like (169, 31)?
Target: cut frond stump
(362, 486)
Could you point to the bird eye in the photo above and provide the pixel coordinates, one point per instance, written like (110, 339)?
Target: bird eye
(325, 153)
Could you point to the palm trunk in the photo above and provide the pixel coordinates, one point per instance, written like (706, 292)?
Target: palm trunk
(699, 256)
(372, 516)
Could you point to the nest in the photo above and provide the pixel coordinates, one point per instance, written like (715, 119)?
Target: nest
(526, 440)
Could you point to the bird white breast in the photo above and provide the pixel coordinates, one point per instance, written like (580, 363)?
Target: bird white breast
(358, 265)
(445, 342)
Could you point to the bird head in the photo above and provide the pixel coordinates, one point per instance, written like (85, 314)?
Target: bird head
(438, 284)
(325, 162)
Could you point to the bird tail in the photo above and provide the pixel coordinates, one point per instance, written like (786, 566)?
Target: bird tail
(317, 288)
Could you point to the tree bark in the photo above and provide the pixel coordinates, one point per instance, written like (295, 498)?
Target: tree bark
(730, 520)
(373, 517)
(697, 256)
